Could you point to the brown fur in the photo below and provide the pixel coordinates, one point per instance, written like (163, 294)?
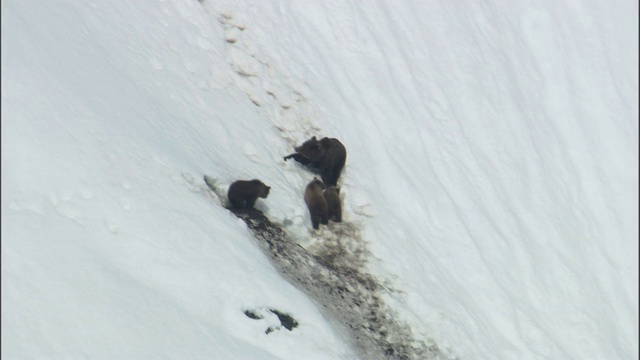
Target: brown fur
(316, 203)
(332, 195)
(243, 194)
(327, 156)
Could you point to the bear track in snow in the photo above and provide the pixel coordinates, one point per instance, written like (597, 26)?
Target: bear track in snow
(258, 79)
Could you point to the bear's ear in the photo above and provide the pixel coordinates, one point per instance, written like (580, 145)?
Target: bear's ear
(314, 138)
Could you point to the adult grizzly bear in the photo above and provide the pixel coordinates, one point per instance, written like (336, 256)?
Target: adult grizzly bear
(316, 203)
(327, 156)
(243, 194)
(332, 196)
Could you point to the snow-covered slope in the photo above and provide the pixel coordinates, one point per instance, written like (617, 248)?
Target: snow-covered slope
(491, 173)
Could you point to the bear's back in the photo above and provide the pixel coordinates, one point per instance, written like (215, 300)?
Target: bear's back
(313, 195)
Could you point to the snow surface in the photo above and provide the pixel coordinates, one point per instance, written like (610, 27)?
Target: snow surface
(492, 173)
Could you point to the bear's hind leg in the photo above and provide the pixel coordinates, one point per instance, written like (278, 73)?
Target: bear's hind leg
(327, 176)
(235, 204)
(314, 222)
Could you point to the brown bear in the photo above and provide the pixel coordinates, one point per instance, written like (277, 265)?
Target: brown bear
(326, 156)
(316, 203)
(332, 195)
(243, 194)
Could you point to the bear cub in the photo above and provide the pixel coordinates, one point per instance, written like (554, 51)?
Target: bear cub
(332, 196)
(243, 194)
(316, 203)
(327, 156)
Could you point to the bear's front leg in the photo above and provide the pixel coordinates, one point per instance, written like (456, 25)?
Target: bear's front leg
(328, 176)
(299, 158)
(251, 200)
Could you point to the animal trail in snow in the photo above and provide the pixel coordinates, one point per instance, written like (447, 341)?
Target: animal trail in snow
(262, 84)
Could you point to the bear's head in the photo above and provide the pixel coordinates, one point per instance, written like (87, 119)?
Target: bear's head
(317, 182)
(260, 188)
(311, 149)
(333, 188)
(265, 191)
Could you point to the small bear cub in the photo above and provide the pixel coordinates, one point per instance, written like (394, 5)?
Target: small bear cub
(243, 194)
(316, 203)
(332, 196)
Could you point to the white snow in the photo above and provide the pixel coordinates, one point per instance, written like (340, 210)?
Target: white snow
(492, 171)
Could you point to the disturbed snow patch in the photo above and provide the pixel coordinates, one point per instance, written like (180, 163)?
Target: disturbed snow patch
(286, 321)
(335, 277)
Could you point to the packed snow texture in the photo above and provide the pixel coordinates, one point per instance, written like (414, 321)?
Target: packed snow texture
(492, 173)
